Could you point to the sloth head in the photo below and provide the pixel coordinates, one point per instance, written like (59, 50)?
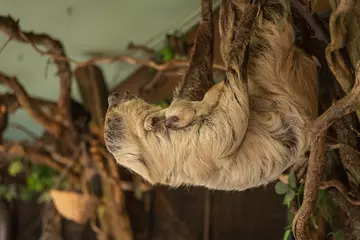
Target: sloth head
(121, 121)
(179, 114)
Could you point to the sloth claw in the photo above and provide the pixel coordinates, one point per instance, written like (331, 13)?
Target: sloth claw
(151, 123)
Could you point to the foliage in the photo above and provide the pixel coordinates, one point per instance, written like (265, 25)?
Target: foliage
(289, 190)
(167, 54)
(39, 178)
(293, 192)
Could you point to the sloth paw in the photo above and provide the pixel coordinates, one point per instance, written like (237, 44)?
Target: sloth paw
(151, 123)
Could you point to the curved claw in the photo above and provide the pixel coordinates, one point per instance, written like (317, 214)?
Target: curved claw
(151, 123)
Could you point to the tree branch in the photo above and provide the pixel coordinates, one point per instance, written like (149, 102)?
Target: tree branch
(11, 28)
(30, 107)
(346, 105)
(338, 34)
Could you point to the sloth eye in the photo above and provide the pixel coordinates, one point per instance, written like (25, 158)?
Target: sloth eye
(174, 118)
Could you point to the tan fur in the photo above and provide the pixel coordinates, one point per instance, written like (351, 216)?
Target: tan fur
(181, 113)
(252, 133)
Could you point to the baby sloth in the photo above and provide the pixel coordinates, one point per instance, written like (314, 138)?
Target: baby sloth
(183, 112)
(241, 133)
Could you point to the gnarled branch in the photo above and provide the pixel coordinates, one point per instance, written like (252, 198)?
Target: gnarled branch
(346, 105)
(30, 107)
(11, 28)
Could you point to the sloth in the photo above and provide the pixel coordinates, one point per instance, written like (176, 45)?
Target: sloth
(241, 133)
(184, 112)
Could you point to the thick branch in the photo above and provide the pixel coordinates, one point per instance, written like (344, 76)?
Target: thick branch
(316, 164)
(346, 105)
(30, 107)
(11, 28)
(338, 34)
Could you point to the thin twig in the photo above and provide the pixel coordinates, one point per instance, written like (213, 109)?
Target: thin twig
(10, 27)
(341, 188)
(173, 64)
(5, 44)
(24, 129)
(143, 48)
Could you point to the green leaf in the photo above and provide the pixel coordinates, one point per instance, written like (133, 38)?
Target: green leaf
(287, 234)
(167, 54)
(339, 235)
(281, 188)
(292, 180)
(313, 221)
(15, 167)
(290, 195)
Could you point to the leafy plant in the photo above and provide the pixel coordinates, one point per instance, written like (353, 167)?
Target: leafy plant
(167, 54)
(287, 234)
(39, 179)
(294, 191)
(15, 167)
(289, 190)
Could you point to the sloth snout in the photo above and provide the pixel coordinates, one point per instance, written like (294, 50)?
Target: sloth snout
(170, 121)
(114, 99)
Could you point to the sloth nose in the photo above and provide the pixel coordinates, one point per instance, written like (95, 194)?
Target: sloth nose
(169, 122)
(114, 99)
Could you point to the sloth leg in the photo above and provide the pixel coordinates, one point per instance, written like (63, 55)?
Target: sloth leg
(198, 78)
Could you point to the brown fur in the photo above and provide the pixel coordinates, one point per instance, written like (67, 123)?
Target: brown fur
(251, 134)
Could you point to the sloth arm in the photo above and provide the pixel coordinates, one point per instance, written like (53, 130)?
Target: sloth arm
(211, 99)
(236, 99)
(198, 78)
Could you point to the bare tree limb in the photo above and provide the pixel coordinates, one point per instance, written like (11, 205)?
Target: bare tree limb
(53, 127)
(10, 27)
(173, 64)
(341, 188)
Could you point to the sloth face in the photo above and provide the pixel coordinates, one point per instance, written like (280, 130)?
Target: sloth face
(119, 136)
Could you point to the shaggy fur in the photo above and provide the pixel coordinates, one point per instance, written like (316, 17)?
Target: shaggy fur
(251, 134)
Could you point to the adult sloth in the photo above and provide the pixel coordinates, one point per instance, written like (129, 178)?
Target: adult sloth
(251, 131)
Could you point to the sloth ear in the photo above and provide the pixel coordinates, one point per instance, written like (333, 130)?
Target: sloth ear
(128, 96)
